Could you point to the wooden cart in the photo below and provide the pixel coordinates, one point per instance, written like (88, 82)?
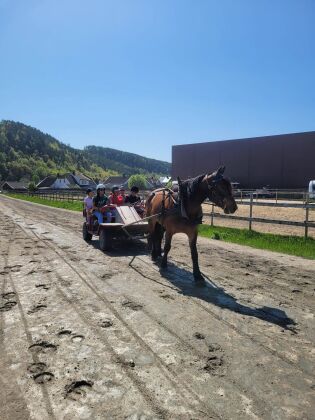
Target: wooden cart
(128, 224)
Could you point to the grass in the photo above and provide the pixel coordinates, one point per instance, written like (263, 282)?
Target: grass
(293, 245)
(69, 205)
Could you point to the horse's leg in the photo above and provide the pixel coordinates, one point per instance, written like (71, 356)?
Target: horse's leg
(152, 240)
(167, 247)
(159, 234)
(149, 245)
(194, 255)
(156, 239)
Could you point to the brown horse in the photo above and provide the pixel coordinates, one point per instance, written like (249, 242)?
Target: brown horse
(184, 216)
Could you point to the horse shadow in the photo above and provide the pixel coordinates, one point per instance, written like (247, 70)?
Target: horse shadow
(210, 292)
(207, 291)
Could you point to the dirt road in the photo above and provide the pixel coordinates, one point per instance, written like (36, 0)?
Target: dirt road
(86, 336)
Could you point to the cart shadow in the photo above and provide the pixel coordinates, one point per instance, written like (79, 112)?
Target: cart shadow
(124, 248)
(210, 292)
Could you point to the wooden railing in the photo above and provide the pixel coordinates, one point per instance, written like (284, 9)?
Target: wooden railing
(306, 203)
(273, 199)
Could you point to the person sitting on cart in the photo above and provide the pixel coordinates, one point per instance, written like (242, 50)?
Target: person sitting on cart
(115, 199)
(122, 192)
(134, 200)
(88, 204)
(99, 201)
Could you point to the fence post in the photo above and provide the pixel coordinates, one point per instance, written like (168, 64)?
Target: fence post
(212, 214)
(250, 211)
(276, 196)
(306, 215)
(241, 196)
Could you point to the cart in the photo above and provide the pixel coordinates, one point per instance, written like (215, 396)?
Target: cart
(127, 224)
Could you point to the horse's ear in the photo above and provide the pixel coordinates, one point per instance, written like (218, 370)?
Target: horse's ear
(221, 170)
(218, 174)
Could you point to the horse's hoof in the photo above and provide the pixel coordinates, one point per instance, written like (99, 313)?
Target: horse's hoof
(199, 278)
(200, 283)
(163, 264)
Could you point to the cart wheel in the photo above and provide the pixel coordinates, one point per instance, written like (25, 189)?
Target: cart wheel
(87, 236)
(105, 240)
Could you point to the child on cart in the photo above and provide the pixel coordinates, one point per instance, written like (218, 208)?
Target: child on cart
(99, 201)
(115, 200)
(88, 205)
(134, 200)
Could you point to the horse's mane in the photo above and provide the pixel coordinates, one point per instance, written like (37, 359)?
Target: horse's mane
(190, 186)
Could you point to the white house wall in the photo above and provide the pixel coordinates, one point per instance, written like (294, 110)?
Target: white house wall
(60, 183)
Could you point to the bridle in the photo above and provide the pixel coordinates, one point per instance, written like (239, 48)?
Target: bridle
(213, 181)
(212, 184)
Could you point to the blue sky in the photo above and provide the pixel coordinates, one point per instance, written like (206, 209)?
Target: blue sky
(141, 76)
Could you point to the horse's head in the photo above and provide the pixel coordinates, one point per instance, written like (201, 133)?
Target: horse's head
(220, 191)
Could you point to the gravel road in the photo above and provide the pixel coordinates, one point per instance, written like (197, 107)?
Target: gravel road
(87, 335)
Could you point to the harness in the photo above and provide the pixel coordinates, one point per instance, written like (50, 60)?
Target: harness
(211, 184)
(185, 190)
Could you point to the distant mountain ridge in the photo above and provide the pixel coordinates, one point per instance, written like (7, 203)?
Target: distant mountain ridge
(28, 153)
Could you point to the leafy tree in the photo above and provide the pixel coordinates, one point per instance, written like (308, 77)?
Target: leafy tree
(137, 180)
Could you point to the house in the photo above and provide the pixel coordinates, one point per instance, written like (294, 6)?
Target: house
(116, 181)
(163, 180)
(119, 181)
(83, 181)
(70, 181)
(14, 186)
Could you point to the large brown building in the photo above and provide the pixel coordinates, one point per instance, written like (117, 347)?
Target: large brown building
(283, 161)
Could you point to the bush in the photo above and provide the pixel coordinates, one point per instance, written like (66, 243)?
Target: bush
(31, 187)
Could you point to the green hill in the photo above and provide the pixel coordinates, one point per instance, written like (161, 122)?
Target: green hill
(28, 153)
(123, 162)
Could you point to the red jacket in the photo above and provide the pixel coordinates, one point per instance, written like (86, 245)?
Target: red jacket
(116, 199)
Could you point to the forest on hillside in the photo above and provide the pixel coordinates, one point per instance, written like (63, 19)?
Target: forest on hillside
(28, 153)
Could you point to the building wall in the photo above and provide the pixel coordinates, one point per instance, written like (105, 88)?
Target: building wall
(284, 161)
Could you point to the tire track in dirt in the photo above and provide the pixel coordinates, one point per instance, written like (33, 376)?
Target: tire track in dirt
(287, 295)
(149, 397)
(271, 316)
(227, 323)
(210, 312)
(28, 334)
(165, 285)
(116, 358)
(66, 252)
(166, 370)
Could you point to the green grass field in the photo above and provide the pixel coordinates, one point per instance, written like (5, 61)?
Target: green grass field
(293, 245)
(69, 205)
